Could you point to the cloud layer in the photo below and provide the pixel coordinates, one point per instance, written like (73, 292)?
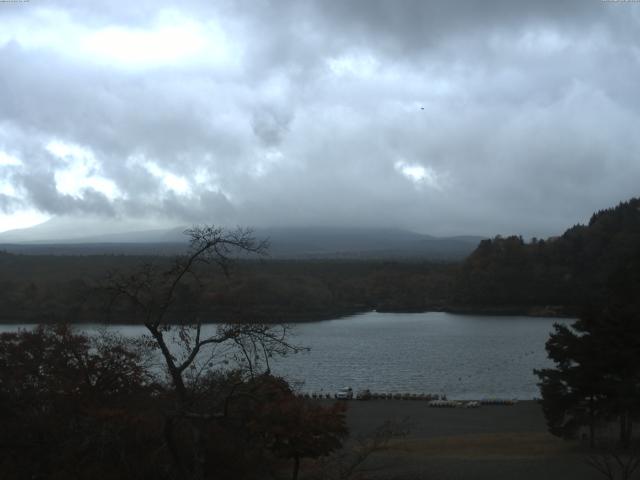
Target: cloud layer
(442, 117)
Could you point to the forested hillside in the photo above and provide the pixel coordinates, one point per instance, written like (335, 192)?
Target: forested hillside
(554, 275)
(36, 288)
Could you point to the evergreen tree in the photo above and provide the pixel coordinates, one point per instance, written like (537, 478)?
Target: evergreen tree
(597, 373)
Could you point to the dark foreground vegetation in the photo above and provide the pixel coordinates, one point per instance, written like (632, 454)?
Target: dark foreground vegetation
(594, 390)
(504, 275)
(79, 407)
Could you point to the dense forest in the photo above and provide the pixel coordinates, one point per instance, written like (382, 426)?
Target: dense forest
(52, 288)
(557, 275)
(503, 275)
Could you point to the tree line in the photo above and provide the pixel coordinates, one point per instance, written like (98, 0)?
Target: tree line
(59, 288)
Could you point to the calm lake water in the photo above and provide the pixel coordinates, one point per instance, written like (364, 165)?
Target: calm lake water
(462, 356)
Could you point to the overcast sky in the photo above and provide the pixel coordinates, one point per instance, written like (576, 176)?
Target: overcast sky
(443, 117)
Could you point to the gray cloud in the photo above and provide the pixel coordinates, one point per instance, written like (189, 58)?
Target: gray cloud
(8, 203)
(41, 191)
(443, 117)
(270, 125)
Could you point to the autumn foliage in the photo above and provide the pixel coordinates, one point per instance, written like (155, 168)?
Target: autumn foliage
(79, 406)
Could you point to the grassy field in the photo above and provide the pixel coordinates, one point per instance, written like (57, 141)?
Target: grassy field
(491, 442)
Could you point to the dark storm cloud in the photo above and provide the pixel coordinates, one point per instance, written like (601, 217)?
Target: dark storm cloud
(270, 125)
(444, 117)
(413, 23)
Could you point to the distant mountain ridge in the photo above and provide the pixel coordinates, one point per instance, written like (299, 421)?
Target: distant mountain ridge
(322, 242)
(94, 230)
(285, 242)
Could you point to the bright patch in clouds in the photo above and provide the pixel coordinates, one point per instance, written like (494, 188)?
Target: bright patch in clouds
(172, 39)
(205, 177)
(81, 171)
(21, 219)
(418, 174)
(171, 181)
(359, 65)
(7, 189)
(270, 159)
(7, 160)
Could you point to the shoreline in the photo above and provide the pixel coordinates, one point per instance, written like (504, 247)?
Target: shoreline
(533, 312)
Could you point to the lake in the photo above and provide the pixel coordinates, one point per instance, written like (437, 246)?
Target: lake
(462, 356)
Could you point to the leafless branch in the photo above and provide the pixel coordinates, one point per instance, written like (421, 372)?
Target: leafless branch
(614, 463)
(350, 462)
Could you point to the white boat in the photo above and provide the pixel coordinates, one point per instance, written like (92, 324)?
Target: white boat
(345, 393)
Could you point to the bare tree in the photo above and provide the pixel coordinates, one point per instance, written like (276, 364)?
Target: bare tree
(186, 346)
(615, 463)
(352, 462)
